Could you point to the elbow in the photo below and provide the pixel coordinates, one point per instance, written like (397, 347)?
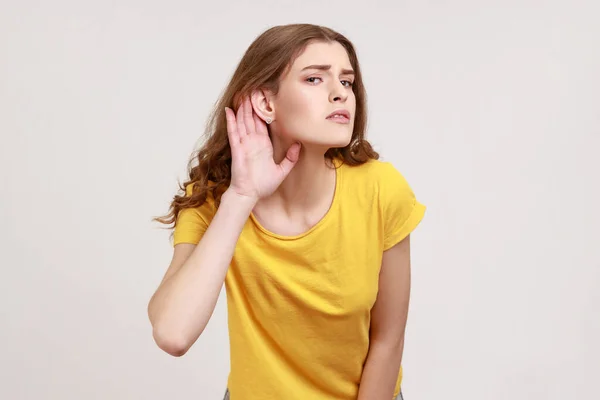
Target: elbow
(165, 339)
(172, 344)
(174, 337)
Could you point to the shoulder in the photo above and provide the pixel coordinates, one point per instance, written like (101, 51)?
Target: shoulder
(206, 210)
(393, 198)
(375, 175)
(381, 183)
(189, 190)
(369, 167)
(192, 221)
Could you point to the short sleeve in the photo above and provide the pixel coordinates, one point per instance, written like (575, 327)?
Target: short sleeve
(401, 210)
(191, 223)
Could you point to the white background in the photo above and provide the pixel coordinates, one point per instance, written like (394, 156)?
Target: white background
(489, 108)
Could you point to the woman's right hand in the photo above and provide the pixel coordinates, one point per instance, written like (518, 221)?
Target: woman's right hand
(254, 173)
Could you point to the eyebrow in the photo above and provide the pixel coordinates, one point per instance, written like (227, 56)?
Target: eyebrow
(327, 68)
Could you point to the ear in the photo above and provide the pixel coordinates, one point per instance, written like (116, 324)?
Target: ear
(262, 103)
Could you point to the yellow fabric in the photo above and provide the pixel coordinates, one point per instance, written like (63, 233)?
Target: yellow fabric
(299, 306)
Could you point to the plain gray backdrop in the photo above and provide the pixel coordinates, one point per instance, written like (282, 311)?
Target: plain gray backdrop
(490, 109)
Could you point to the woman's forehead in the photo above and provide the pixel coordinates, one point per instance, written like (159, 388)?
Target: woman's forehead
(322, 54)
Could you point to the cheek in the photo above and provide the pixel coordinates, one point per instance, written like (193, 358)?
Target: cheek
(299, 103)
(351, 103)
(297, 109)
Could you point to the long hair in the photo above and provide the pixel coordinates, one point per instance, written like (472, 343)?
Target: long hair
(261, 67)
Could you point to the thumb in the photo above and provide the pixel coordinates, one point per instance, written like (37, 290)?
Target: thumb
(291, 158)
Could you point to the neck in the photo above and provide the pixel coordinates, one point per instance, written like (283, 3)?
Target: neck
(310, 183)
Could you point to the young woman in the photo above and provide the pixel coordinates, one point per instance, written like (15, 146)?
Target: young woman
(289, 205)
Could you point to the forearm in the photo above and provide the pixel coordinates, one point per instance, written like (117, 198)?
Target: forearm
(184, 303)
(381, 370)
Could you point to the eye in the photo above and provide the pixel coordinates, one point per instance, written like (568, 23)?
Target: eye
(313, 77)
(346, 83)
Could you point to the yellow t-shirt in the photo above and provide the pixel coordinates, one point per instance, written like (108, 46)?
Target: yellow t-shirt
(299, 306)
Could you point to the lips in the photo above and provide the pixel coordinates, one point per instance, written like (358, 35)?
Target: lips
(339, 114)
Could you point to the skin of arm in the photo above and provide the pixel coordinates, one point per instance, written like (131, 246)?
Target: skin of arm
(182, 305)
(388, 323)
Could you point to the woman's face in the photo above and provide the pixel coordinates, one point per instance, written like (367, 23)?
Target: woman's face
(318, 83)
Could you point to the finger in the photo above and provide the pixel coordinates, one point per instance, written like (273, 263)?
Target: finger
(241, 128)
(248, 120)
(291, 158)
(260, 126)
(232, 133)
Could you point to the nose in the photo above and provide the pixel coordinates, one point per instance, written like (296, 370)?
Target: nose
(338, 93)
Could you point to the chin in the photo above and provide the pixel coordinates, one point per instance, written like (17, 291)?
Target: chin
(332, 139)
(339, 136)
(325, 145)
(340, 141)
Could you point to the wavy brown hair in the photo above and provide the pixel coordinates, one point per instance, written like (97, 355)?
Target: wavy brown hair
(266, 60)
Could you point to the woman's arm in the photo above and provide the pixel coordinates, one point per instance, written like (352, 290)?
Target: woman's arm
(185, 300)
(388, 323)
